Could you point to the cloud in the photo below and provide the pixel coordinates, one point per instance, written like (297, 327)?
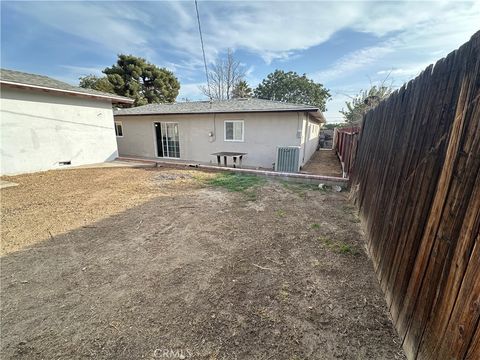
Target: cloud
(84, 70)
(405, 35)
(279, 30)
(352, 62)
(191, 92)
(425, 37)
(270, 30)
(333, 106)
(112, 27)
(409, 70)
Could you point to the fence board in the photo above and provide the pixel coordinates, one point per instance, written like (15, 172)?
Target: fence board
(345, 145)
(416, 181)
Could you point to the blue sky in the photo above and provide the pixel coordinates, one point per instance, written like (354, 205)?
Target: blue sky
(346, 45)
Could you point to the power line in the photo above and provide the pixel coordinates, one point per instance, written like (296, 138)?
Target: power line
(203, 48)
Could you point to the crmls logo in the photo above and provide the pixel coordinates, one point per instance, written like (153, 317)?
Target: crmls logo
(172, 353)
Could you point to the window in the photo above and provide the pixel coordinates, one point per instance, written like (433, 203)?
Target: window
(118, 129)
(234, 130)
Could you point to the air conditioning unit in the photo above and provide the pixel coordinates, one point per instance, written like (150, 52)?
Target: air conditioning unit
(288, 159)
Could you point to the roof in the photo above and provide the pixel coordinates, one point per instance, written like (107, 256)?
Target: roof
(45, 83)
(219, 106)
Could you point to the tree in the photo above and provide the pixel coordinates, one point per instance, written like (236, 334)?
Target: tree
(331, 126)
(96, 83)
(223, 76)
(136, 78)
(242, 90)
(293, 88)
(364, 101)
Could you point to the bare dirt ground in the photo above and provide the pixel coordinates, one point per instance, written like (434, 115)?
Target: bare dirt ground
(324, 162)
(151, 263)
(50, 203)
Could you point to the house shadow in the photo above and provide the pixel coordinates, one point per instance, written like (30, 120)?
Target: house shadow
(95, 289)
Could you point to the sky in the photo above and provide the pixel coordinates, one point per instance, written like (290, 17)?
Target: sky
(344, 45)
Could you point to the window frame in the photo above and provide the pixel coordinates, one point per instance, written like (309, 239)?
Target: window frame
(164, 127)
(225, 130)
(117, 122)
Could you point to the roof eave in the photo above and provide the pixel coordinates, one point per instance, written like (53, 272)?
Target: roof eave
(113, 99)
(318, 115)
(220, 112)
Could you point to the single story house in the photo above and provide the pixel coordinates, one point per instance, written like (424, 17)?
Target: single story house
(46, 124)
(197, 131)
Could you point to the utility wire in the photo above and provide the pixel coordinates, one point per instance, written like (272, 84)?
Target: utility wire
(203, 49)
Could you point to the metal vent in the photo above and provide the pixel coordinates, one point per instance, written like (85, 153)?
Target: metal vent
(287, 159)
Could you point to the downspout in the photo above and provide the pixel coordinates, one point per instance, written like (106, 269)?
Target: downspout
(213, 135)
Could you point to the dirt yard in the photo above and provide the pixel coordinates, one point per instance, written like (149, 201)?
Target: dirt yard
(324, 162)
(161, 264)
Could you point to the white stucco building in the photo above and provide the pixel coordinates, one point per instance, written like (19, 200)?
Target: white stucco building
(46, 124)
(196, 131)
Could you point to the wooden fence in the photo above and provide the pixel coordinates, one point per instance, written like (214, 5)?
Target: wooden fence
(416, 181)
(345, 145)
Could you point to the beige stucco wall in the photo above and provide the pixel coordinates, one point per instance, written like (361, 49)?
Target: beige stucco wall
(310, 134)
(40, 129)
(263, 132)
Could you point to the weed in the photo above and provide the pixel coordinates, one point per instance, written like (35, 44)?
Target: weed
(284, 294)
(315, 226)
(346, 249)
(326, 241)
(284, 291)
(246, 184)
(280, 213)
(299, 188)
(339, 246)
(236, 182)
(251, 195)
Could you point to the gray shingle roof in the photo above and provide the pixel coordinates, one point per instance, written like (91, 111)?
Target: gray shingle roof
(25, 79)
(223, 106)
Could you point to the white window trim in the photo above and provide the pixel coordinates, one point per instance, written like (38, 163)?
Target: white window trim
(121, 124)
(225, 130)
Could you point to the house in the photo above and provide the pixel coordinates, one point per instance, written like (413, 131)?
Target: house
(195, 131)
(46, 124)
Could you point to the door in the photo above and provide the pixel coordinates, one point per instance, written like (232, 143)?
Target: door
(168, 141)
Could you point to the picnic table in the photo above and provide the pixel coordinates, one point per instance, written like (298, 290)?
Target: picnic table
(227, 154)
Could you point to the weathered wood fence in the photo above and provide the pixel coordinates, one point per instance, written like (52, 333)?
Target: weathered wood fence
(416, 181)
(345, 145)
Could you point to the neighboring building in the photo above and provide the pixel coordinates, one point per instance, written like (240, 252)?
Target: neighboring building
(193, 131)
(326, 139)
(46, 123)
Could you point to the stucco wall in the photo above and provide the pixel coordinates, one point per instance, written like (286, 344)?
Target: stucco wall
(263, 132)
(310, 134)
(39, 130)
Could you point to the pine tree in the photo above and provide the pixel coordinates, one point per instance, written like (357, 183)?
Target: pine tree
(136, 78)
(242, 90)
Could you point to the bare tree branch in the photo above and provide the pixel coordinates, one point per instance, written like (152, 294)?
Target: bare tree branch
(224, 76)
